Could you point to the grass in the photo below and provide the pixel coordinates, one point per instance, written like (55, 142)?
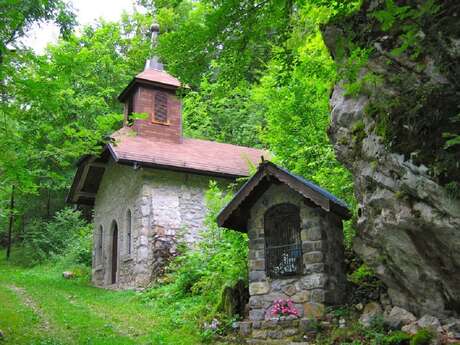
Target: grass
(38, 306)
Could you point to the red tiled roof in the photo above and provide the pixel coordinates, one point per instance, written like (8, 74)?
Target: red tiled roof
(192, 154)
(151, 76)
(157, 76)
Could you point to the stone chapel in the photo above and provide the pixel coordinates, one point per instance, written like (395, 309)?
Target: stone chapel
(147, 186)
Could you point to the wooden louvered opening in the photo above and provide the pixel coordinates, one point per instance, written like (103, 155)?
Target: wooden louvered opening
(161, 107)
(283, 247)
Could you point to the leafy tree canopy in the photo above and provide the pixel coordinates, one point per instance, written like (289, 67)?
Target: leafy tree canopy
(61, 105)
(17, 16)
(260, 75)
(258, 72)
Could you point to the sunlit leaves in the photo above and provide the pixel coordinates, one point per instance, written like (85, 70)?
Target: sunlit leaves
(17, 16)
(63, 104)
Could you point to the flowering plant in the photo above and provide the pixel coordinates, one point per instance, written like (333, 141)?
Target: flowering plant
(282, 307)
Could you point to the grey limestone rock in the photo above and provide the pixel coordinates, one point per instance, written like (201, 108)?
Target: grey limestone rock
(68, 275)
(428, 321)
(370, 313)
(398, 317)
(408, 223)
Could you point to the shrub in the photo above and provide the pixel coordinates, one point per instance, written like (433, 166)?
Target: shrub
(218, 260)
(67, 234)
(422, 337)
(397, 338)
(353, 334)
(377, 324)
(79, 251)
(199, 274)
(362, 274)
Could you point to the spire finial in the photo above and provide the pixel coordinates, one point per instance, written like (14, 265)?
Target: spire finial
(154, 62)
(154, 31)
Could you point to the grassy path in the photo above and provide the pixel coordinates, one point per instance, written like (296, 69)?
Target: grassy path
(38, 306)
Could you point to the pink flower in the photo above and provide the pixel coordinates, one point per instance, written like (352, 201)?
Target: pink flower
(284, 308)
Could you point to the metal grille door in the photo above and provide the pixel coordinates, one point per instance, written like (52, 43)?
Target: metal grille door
(283, 247)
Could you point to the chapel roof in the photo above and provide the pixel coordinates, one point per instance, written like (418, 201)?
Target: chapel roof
(191, 155)
(195, 155)
(235, 214)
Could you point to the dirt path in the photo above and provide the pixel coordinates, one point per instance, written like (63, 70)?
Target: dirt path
(119, 325)
(44, 323)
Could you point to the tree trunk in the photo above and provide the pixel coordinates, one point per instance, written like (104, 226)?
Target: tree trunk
(48, 204)
(10, 226)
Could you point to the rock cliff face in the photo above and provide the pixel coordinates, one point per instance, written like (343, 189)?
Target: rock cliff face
(391, 135)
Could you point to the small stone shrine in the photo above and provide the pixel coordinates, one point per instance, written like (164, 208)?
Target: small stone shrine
(296, 255)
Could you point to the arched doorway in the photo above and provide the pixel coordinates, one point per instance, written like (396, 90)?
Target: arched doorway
(114, 252)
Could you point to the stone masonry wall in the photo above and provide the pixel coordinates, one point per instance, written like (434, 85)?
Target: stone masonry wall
(323, 279)
(118, 193)
(172, 207)
(165, 206)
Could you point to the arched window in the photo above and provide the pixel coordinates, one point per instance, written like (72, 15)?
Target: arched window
(128, 232)
(283, 247)
(114, 257)
(161, 107)
(99, 239)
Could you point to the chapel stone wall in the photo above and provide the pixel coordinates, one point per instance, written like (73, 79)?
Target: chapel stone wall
(118, 192)
(165, 206)
(173, 208)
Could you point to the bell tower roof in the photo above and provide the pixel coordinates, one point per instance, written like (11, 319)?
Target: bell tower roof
(150, 77)
(154, 74)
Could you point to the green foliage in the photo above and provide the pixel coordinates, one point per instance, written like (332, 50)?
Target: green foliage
(80, 249)
(453, 189)
(259, 75)
(408, 20)
(293, 96)
(354, 333)
(217, 261)
(397, 338)
(222, 112)
(358, 131)
(237, 34)
(340, 312)
(391, 14)
(19, 16)
(61, 105)
(422, 337)
(452, 139)
(351, 70)
(362, 274)
(377, 324)
(66, 234)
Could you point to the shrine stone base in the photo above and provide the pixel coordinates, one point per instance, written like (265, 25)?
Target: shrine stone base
(276, 331)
